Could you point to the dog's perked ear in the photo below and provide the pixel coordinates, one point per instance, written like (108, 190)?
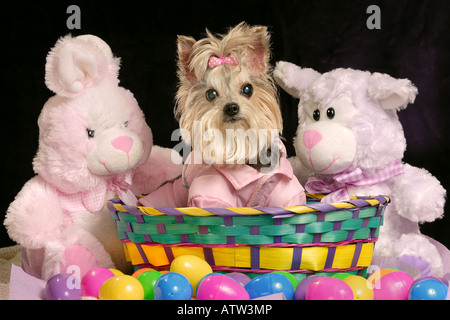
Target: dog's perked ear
(256, 55)
(185, 71)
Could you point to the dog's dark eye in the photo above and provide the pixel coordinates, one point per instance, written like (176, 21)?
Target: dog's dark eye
(211, 94)
(90, 133)
(247, 90)
(330, 113)
(316, 114)
(125, 124)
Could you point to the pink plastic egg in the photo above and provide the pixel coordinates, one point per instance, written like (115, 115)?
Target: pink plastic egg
(220, 287)
(328, 288)
(393, 286)
(93, 280)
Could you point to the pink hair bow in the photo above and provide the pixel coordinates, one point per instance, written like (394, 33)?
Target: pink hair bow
(215, 61)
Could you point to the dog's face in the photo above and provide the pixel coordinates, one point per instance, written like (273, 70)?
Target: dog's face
(227, 105)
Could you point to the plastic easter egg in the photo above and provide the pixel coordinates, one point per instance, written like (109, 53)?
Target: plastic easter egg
(220, 287)
(173, 286)
(192, 267)
(122, 287)
(393, 286)
(242, 278)
(142, 270)
(341, 275)
(328, 288)
(268, 284)
(148, 280)
(374, 277)
(116, 272)
(290, 277)
(63, 286)
(428, 289)
(300, 290)
(362, 289)
(93, 280)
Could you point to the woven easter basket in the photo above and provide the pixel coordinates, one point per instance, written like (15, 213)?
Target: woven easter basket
(316, 237)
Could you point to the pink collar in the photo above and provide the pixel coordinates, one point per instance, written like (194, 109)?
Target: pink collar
(337, 189)
(93, 200)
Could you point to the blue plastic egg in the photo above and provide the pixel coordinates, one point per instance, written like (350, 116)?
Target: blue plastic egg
(428, 289)
(270, 283)
(173, 286)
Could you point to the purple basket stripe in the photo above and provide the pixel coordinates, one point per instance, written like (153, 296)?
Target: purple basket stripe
(350, 235)
(184, 238)
(356, 254)
(125, 235)
(321, 216)
(111, 207)
(142, 253)
(129, 228)
(170, 211)
(169, 254)
(317, 237)
(161, 228)
(355, 214)
(277, 239)
(337, 225)
(228, 221)
(209, 256)
(148, 238)
(254, 258)
(323, 206)
(140, 218)
(179, 219)
(231, 240)
(221, 212)
(274, 210)
(330, 257)
(296, 258)
(254, 230)
(365, 223)
(300, 228)
(379, 211)
(203, 229)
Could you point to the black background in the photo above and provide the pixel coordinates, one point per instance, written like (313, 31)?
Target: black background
(413, 43)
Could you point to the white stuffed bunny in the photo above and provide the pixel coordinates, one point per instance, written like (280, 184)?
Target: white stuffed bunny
(92, 137)
(350, 141)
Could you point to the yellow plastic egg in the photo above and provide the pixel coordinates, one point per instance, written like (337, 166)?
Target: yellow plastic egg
(192, 267)
(122, 287)
(116, 272)
(362, 290)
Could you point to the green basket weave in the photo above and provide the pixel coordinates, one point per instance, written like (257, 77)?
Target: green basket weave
(316, 237)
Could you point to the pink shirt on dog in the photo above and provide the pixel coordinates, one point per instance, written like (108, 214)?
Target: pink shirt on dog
(230, 186)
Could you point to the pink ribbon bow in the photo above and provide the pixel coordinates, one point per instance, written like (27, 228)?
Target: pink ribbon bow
(94, 199)
(215, 61)
(337, 188)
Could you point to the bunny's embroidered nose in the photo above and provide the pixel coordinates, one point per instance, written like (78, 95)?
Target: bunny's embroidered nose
(123, 143)
(311, 138)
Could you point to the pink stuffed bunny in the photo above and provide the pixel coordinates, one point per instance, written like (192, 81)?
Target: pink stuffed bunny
(350, 142)
(93, 136)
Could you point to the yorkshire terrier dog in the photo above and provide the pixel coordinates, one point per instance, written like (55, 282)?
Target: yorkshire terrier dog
(229, 114)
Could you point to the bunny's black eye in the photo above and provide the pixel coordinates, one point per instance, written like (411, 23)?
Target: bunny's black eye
(90, 133)
(247, 90)
(316, 114)
(330, 113)
(211, 94)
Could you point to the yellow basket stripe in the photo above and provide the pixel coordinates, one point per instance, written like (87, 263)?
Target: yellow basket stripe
(313, 258)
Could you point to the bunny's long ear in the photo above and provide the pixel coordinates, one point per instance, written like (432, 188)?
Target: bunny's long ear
(75, 64)
(392, 93)
(293, 79)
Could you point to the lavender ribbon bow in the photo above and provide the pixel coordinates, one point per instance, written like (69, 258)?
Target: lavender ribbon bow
(337, 188)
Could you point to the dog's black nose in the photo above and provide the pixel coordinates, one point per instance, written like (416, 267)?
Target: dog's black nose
(231, 109)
